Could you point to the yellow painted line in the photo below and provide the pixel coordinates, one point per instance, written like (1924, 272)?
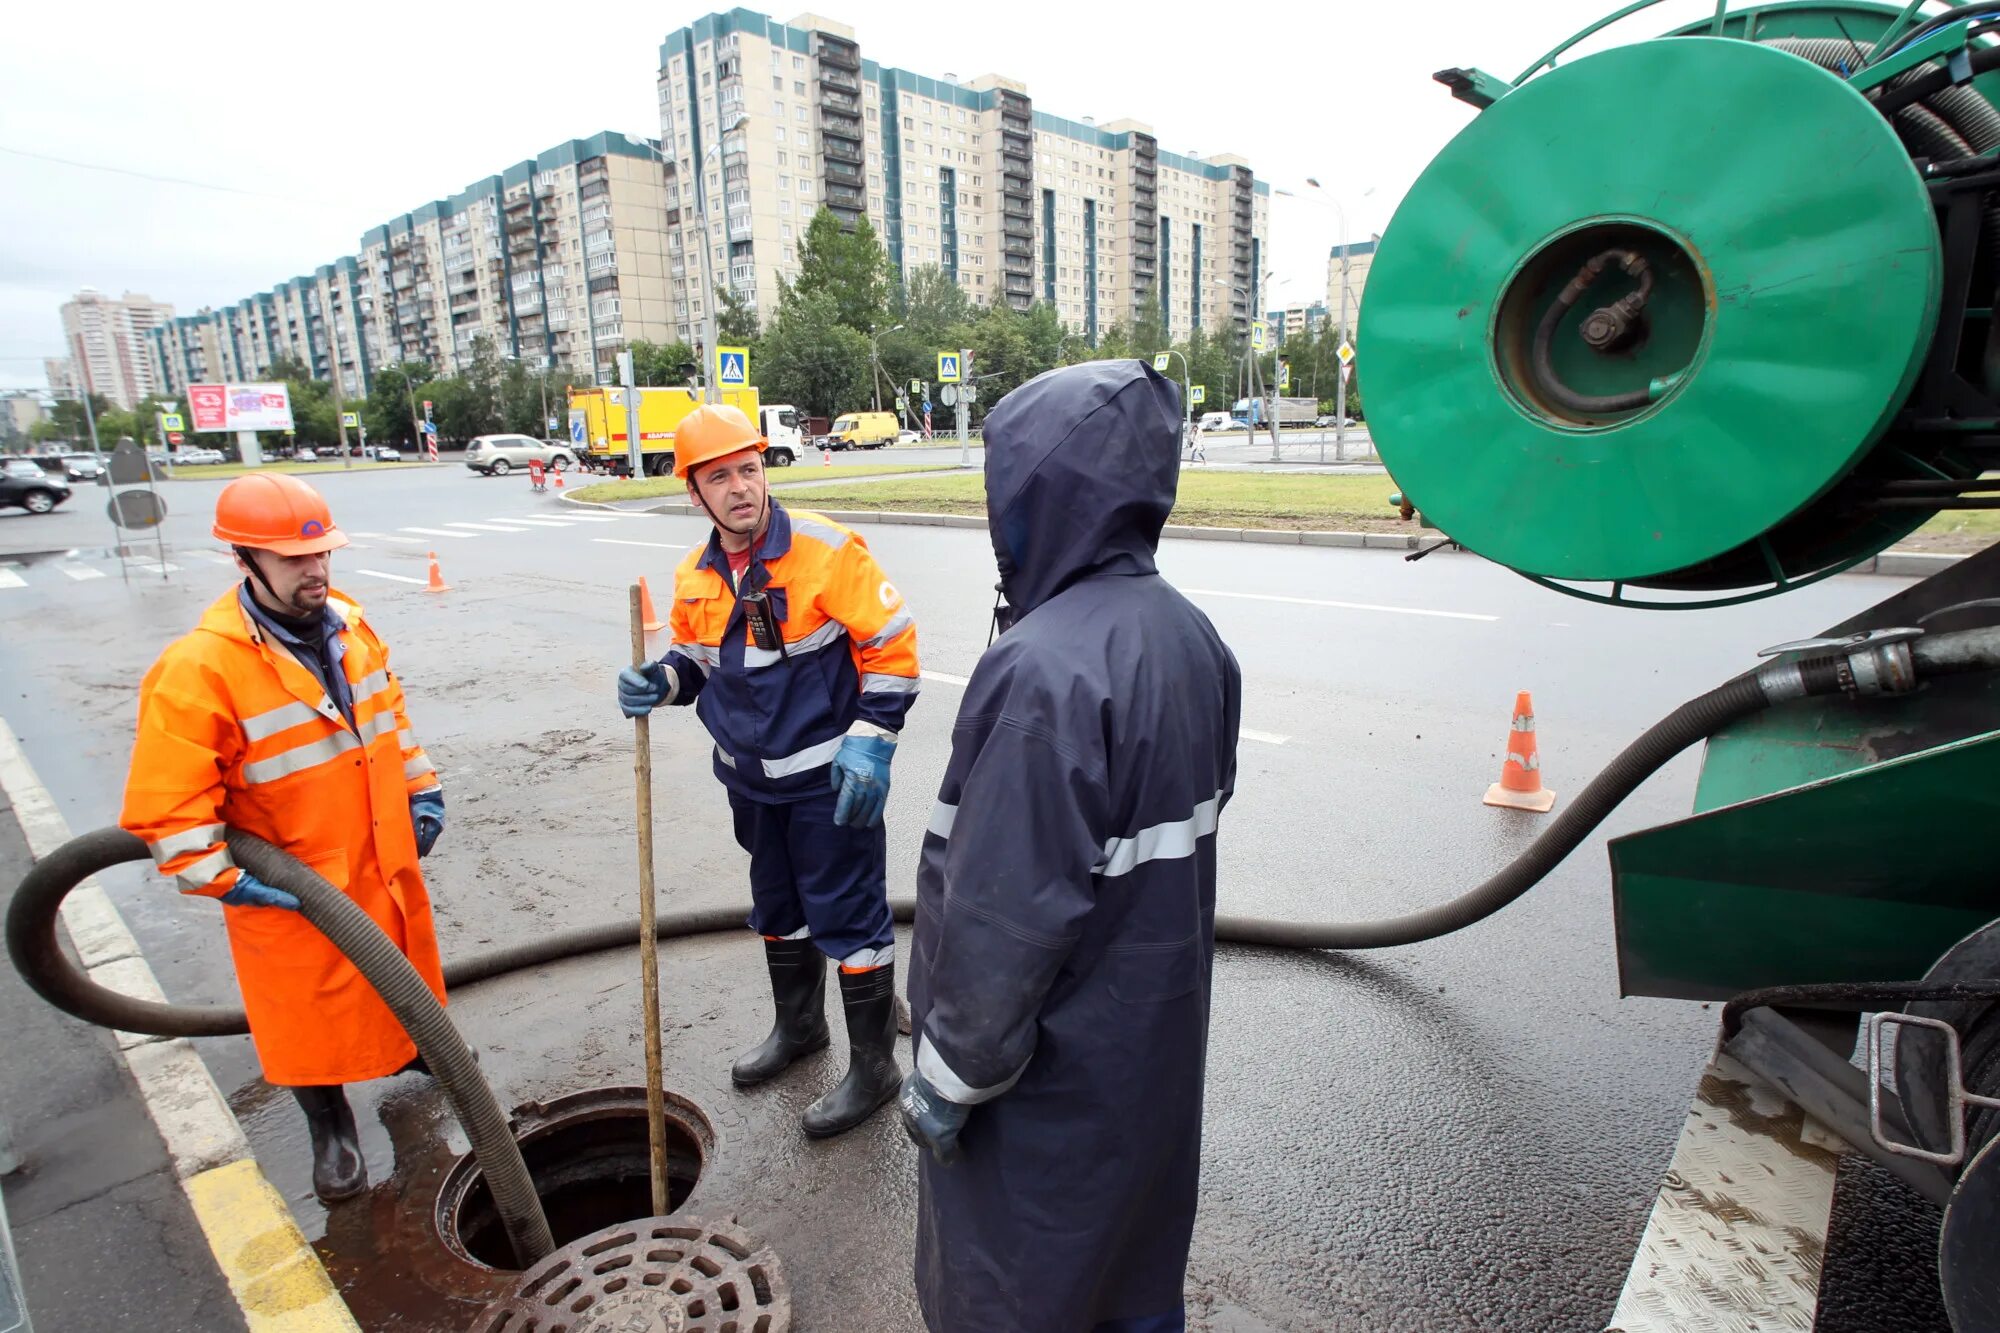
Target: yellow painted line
(276, 1276)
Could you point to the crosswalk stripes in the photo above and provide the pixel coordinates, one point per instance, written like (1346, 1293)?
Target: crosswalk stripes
(585, 518)
(10, 579)
(389, 537)
(214, 557)
(537, 522)
(81, 572)
(443, 532)
(484, 527)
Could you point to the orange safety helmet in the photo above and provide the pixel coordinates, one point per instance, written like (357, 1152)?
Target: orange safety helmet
(712, 431)
(270, 511)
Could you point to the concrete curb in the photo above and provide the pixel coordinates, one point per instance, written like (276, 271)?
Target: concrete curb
(275, 1275)
(1898, 564)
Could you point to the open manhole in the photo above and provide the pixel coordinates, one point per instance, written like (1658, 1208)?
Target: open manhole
(660, 1275)
(588, 1156)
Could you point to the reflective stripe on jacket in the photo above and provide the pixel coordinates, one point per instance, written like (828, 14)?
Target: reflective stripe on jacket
(234, 732)
(849, 660)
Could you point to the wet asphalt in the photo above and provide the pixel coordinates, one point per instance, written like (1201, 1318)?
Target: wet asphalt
(1465, 1134)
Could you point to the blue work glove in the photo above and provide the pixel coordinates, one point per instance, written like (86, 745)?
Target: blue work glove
(642, 689)
(861, 776)
(249, 891)
(427, 814)
(931, 1121)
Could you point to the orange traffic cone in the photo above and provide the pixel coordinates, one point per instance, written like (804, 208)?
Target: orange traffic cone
(559, 484)
(1520, 785)
(652, 617)
(826, 458)
(437, 583)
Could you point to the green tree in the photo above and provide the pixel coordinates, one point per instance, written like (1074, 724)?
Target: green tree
(1149, 329)
(68, 417)
(811, 358)
(735, 320)
(664, 363)
(849, 267)
(395, 396)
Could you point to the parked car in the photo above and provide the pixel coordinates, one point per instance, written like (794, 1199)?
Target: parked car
(1216, 421)
(497, 455)
(305, 455)
(909, 437)
(383, 453)
(73, 467)
(199, 456)
(24, 485)
(1331, 420)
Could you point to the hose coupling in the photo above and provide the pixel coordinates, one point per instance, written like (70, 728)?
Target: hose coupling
(1873, 662)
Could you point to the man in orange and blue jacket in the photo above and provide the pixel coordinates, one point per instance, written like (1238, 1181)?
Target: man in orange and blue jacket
(801, 658)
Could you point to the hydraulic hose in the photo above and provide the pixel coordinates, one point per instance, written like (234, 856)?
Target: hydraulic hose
(31, 942)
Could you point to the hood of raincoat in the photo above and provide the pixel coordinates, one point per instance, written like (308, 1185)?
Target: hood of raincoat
(1081, 469)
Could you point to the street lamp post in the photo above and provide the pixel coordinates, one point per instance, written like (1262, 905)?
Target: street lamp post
(1187, 391)
(875, 361)
(1321, 193)
(1251, 370)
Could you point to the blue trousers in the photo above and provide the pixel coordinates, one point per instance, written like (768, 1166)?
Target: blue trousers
(811, 875)
(1173, 1321)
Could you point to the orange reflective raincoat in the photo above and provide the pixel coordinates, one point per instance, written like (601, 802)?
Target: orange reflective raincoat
(234, 732)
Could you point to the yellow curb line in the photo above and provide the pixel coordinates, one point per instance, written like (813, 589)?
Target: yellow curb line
(276, 1277)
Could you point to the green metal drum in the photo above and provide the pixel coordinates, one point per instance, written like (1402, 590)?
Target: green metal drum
(1647, 308)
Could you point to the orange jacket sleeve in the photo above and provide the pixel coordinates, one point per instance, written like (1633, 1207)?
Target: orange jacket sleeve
(173, 795)
(419, 773)
(859, 595)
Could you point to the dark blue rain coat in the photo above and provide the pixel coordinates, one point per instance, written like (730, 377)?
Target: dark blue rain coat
(1066, 901)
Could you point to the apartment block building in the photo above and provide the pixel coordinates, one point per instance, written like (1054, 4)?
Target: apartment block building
(107, 340)
(559, 260)
(314, 320)
(764, 122)
(1294, 320)
(1347, 267)
(60, 372)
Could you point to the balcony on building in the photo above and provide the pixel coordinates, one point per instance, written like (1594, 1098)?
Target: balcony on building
(831, 76)
(1017, 246)
(837, 53)
(517, 203)
(849, 198)
(848, 173)
(840, 101)
(840, 124)
(1017, 228)
(841, 150)
(524, 302)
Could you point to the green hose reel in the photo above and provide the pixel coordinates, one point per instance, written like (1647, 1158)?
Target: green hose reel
(1644, 320)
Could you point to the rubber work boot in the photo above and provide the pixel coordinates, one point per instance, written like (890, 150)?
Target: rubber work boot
(798, 991)
(339, 1171)
(873, 1077)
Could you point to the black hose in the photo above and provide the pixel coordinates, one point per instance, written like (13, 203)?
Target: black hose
(409, 997)
(1627, 308)
(1693, 720)
(38, 957)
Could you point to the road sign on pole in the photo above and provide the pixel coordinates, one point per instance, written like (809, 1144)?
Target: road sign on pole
(351, 420)
(1284, 377)
(1198, 394)
(1260, 335)
(172, 421)
(948, 368)
(174, 437)
(1162, 361)
(1346, 353)
(732, 366)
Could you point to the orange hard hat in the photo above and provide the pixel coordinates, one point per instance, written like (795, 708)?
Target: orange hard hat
(269, 511)
(712, 431)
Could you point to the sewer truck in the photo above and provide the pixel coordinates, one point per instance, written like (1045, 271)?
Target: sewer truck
(1613, 346)
(597, 420)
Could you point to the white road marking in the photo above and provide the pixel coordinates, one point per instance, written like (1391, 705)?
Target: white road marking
(444, 532)
(9, 579)
(214, 557)
(1340, 606)
(154, 567)
(482, 527)
(81, 572)
(665, 546)
(393, 578)
(574, 518)
(535, 522)
(389, 537)
(946, 678)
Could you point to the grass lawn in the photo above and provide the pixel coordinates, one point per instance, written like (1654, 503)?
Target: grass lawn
(222, 471)
(1207, 499)
(673, 488)
(1956, 531)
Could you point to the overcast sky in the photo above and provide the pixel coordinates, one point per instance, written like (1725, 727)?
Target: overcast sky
(319, 121)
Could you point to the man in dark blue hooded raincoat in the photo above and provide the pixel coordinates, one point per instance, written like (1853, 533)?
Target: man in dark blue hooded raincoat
(1066, 903)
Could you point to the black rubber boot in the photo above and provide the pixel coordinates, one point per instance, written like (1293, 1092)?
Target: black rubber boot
(339, 1172)
(873, 1077)
(798, 990)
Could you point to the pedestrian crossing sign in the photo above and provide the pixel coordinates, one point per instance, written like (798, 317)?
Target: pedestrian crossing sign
(171, 421)
(948, 368)
(1198, 394)
(1260, 335)
(350, 419)
(732, 366)
(1162, 361)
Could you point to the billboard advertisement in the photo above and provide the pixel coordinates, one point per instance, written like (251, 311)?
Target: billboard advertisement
(234, 407)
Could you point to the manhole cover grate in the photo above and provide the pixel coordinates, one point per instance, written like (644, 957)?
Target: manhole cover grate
(656, 1275)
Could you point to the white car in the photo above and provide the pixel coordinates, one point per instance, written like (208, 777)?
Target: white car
(198, 456)
(497, 455)
(909, 437)
(382, 453)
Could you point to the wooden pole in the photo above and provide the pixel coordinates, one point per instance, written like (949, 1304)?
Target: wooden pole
(649, 945)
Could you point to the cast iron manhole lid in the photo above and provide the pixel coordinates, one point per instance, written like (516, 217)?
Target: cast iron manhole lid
(655, 1275)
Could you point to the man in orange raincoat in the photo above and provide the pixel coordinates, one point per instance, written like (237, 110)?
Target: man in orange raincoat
(279, 716)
